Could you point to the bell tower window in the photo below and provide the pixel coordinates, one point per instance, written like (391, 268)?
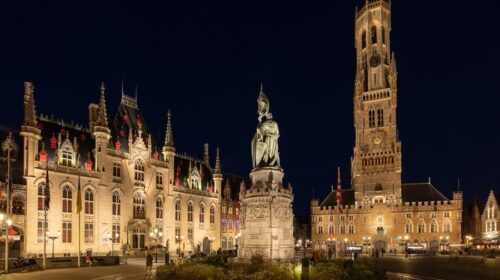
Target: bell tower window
(383, 34)
(374, 34)
(380, 117)
(363, 40)
(371, 118)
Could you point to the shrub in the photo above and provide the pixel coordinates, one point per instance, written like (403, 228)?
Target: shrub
(362, 269)
(257, 259)
(190, 271)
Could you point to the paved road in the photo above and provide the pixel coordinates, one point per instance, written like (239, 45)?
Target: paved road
(445, 267)
(135, 269)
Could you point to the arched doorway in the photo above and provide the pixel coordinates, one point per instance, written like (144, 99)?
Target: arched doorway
(380, 245)
(206, 245)
(16, 241)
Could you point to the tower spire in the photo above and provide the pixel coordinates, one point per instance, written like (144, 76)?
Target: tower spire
(29, 105)
(102, 117)
(169, 138)
(217, 162)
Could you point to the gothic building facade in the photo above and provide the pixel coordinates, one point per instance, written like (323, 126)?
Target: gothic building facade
(136, 192)
(379, 212)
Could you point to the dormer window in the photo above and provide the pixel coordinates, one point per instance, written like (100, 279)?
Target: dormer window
(66, 154)
(67, 158)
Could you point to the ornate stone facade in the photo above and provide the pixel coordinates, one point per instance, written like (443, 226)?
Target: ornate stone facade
(129, 188)
(380, 212)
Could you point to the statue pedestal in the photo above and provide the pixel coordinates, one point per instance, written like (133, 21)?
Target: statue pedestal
(266, 218)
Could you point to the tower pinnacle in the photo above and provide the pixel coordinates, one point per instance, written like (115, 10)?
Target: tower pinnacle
(169, 138)
(102, 116)
(29, 105)
(217, 162)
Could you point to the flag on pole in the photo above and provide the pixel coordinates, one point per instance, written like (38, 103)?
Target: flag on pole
(79, 197)
(339, 192)
(47, 189)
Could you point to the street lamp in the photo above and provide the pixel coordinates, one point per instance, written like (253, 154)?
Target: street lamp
(113, 240)
(9, 223)
(156, 234)
(178, 239)
(53, 236)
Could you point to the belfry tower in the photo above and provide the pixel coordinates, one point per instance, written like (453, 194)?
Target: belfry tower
(377, 160)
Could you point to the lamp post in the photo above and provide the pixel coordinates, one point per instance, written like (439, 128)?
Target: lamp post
(53, 236)
(9, 223)
(113, 240)
(178, 239)
(156, 234)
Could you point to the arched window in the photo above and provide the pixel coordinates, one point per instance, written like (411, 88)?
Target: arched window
(371, 118)
(139, 171)
(421, 227)
(41, 196)
(178, 210)
(139, 206)
(190, 212)
(202, 214)
(331, 229)
(212, 214)
(67, 200)
(380, 117)
(224, 242)
(116, 204)
(363, 39)
(230, 242)
(408, 227)
(320, 229)
(446, 227)
(18, 205)
(374, 34)
(159, 208)
(434, 227)
(342, 229)
(89, 201)
(383, 34)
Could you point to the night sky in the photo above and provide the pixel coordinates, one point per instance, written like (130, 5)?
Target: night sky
(205, 62)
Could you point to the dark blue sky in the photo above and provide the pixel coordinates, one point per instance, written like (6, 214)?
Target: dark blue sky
(205, 62)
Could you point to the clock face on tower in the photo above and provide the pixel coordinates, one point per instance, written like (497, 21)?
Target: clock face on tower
(377, 140)
(375, 60)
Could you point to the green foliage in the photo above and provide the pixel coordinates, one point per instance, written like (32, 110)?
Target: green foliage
(257, 259)
(362, 269)
(190, 271)
(215, 260)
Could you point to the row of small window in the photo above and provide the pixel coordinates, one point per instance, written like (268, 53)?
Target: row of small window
(178, 209)
(227, 243)
(342, 218)
(229, 210)
(67, 200)
(376, 95)
(421, 228)
(373, 36)
(491, 226)
(491, 212)
(377, 161)
(67, 232)
(138, 172)
(331, 229)
(380, 118)
(229, 223)
(433, 215)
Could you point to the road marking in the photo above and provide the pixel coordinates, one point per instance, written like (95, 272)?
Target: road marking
(109, 276)
(410, 276)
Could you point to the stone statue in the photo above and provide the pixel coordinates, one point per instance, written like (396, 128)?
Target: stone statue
(265, 152)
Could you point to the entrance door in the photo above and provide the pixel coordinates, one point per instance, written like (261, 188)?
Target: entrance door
(135, 241)
(379, 245)
(206, 245)
(142, 241)
(434, 246)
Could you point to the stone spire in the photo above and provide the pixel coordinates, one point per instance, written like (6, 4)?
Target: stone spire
(217, 162)
(169, 138)
(102, 115)
(29, 105)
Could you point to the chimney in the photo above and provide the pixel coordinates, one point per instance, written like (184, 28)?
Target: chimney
(206, 157)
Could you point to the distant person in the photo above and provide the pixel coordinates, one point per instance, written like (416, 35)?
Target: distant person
(88, 260)
(149, 264)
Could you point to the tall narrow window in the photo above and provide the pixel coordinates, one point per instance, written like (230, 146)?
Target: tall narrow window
(139, 206)
(380, 117)
(383, 34)
(331, 229)
(202, 214)
(178, 210)
(363, 39)
(408, 227)
(66, 232)
(342, 229)
(374, 34)
(190, 212)
(212, 214)
(116, 233)
(41, 196)
(159, 208)
(67, 199)
(89, 202)
(159, 180)
(371, 118)
(320, 229)
(116, 204)
(224, 242)
(139, 171)
(434, 227)
(190, 234)
(421, 227)
(351, 229)
(89, 233)
(447, 227)
(41, 229)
